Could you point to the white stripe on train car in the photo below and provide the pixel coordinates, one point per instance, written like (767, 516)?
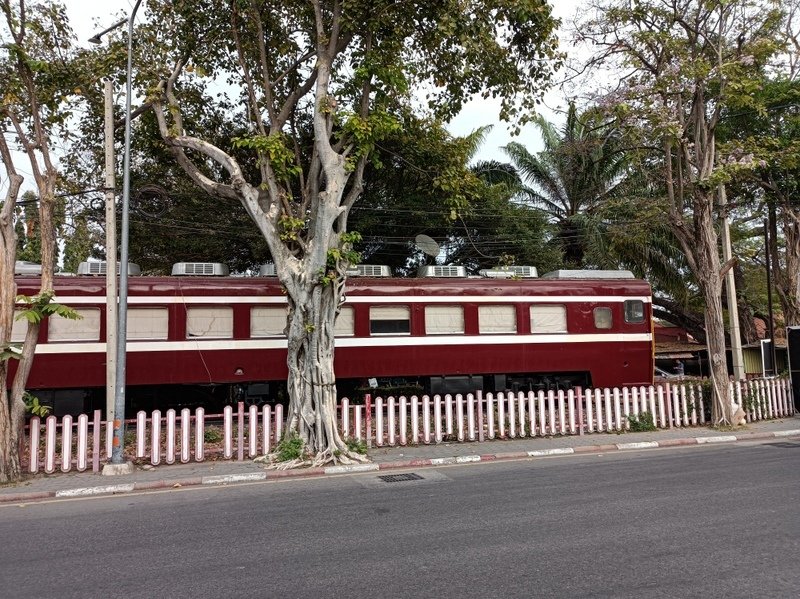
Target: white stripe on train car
(377, 341)
(74, 300)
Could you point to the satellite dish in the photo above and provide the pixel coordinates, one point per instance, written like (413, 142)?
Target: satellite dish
(427, 245)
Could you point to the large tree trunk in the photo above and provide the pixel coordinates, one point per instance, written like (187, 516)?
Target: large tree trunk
(707, 271)
(10, 468)
(311, 381)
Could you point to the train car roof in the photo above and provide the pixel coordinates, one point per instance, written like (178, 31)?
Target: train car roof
(270, 286)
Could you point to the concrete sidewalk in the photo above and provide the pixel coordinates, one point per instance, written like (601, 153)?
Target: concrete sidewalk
(385, 458)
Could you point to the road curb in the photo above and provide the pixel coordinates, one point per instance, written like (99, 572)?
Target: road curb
(232, 479)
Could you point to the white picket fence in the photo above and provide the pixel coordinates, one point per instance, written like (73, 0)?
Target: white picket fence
(82, 443)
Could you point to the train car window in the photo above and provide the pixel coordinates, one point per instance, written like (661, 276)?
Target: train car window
(209, 321)
(268, 321)
(441, 320)
(634, 311)
(345, 322)
(85, 328)
(602, 318)
(548, 319)
(497, 319)
(389, 320)
(148, 323)
(18, 328)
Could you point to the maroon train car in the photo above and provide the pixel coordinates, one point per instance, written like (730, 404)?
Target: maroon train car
(208, 340)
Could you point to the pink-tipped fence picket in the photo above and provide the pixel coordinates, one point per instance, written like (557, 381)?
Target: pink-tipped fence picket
(82, 443)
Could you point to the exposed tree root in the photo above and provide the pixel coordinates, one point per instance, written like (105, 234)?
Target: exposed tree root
(323, 458)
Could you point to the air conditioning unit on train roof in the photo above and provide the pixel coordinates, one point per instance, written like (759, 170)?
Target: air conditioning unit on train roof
(267, 270)
(195, 269)
(439, 270)
(507, 272)
(23, 267)
(100, 268)
(589, 274)
(369, 270)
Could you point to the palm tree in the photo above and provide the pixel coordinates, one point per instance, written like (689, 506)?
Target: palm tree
(580, 167)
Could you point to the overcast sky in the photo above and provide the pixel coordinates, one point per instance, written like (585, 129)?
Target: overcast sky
(88, 17)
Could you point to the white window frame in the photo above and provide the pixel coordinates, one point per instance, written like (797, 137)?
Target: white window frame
(268, 314)
(497, 319)
(390, 312)
(447, 319)
(209, 320)
(85, 328)
(19, 328)
(156, 316)
(345, 324)
(544, 321)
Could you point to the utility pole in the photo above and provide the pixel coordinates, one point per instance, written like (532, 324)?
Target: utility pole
(111, 255)
(118, 464)
(730, 289)
(771, 318)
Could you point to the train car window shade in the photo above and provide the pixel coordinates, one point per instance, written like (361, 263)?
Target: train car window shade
(148, 323)
(344, 325)
(389, 320)
(268, 321)
(634, 311)
(548, 318)
(443, 320)
(18, 328)
(86, 328)
(603, 318)
(210, 322)
(497, 319)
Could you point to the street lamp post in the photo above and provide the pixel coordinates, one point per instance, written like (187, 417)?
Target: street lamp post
(117, 458)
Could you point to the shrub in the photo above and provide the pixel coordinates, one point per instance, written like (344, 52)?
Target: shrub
(641, 423)
(356, 445)
(290, 448)
(212, 435)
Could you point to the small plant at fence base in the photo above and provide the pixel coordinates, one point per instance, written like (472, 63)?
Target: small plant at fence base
(212, 435)
(641, 423)
(356, 445)
(289, 449)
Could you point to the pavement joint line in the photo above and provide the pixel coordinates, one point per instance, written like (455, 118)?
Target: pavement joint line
(103, 490)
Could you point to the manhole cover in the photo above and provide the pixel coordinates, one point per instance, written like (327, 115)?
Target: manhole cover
(399, 478)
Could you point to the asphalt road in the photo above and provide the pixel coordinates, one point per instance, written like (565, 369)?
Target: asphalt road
(701, 522)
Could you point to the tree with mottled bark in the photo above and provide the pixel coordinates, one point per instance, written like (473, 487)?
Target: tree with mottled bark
(677, 66)
(322, 82)
(35, 78)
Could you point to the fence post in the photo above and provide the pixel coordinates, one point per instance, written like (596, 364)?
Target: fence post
(240, 431)
(199, 435)
(96, 441)
(33, 454)
(155, 438)
(479, 399)
(368, 418)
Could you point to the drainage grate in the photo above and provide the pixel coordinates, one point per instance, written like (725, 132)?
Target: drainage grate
(399, 478)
